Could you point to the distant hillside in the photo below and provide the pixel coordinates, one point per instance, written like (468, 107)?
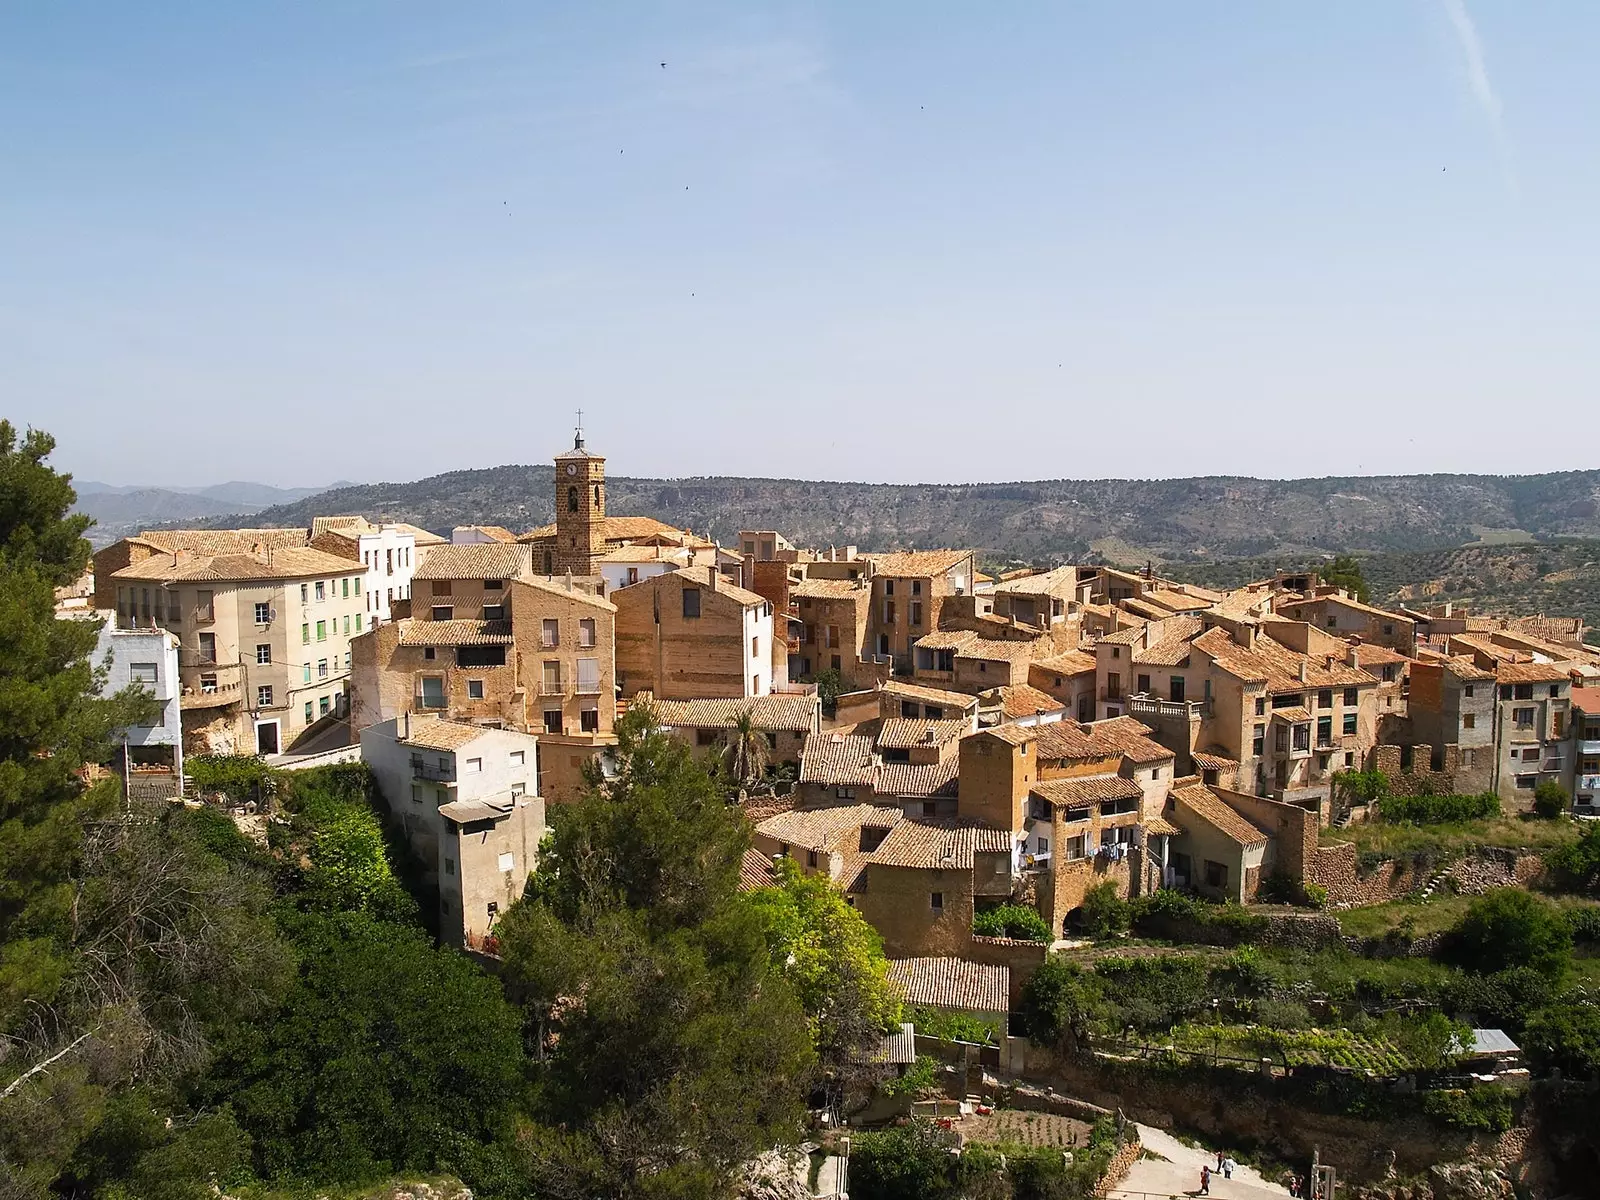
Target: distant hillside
(121, 510)
(1048, 521)
(1559, 577)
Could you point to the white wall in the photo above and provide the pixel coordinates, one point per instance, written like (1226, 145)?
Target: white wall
(758, 625)
(616, 573)
(118, 650)
(390, 557)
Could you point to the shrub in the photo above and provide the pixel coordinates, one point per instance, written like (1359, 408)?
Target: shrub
(1550, 800)
(1484, 1109)
(1584, 923)
(950, 1026)
(1509, 927)
(1104, 912)
(1176, 917)
(1499, 1001)
(1058, 1003)
(911, 1162)
(1438, 810)
(1576, 865)
(1564, 1037)
(1316, 895)
(919, 1078)
(1011, 921)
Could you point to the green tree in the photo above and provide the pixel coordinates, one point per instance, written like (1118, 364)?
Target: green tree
(1345, 572)
(1059, 1002)
(1508, 928)
(672, 1049)
(1105, 913)
(834, 961)
(748, 751)
(910, 1162)
(385, 1053)
(1550, 800)
(1564, 1037)
(830, 685)
(1576, 865)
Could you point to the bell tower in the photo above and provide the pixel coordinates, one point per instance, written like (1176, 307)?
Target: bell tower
(580, 508)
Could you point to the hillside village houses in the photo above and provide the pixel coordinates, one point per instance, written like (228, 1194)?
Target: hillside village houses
(1014, 739)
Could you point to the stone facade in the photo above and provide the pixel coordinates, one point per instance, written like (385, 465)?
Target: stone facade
(691, 636)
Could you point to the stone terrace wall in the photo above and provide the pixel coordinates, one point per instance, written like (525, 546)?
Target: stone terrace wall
(1121, 1162)
(1336, 867)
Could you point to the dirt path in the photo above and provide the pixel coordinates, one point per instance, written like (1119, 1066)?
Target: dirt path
(1180, 1174)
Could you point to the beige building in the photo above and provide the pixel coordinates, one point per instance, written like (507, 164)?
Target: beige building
(833, 627)
(692, 635)
(784, 722)
(467, 800)
(264, 630)
(908, 597)
(1336, 612)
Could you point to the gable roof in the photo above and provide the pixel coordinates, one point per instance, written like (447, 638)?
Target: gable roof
(1516, 672)
(952, 983)
(918, 563)
(1087, 789)
(907, 780)
(756, 870)
(1123, 736)
(773, 713)
(414, 632)
(1277, 666)
(481, 560)
(221, 541)
(1072, 662)
(818, 828)
(929, 695)
(1176, 634)
(285, 562)
(837, 760)
(438, 733)
(1024, 700)
(831, 589)
(1044, 583)
(1210, 808)
(905, 733)
(929, 844)
(694, 579)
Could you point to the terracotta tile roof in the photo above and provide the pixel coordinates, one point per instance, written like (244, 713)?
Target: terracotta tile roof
(1131, 636)
(1293, 713)
(931, 845)
(631, 553)
(1044, 583)
(1203, 803)
(952, 983)
(1101, 739)
(929, 695)
(1016, 735)
(946, 639)
(1586, 700)
(1213, 762)
(419, 535)
(756, 871)
(1276, 665)
(1088, 789)
(769, 806)
(837, 760)
(918, 779)
(414, 632)
(1024, 700)
(485, 560)
(351, 526)
(628, 529)
(436, 733)
(774, 713)
(994, 650)
(1073, 662)
(222, 541)
(916, 563)
(1144, 608)
(1285, 604)
(556, 586)
(1515, 672)
(1369, 654)
(902, 733)
(287, 562)
(495, 533)
(1174, 645)
(819, 828)
(830, 589)
(1161, 827)
(1464, 668)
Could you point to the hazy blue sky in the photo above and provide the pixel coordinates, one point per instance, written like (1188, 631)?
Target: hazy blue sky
(888, 241)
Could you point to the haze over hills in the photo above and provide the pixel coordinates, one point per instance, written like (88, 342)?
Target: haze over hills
(122, 509)
(1171, 521)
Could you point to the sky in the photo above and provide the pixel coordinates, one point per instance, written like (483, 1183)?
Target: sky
(892, 241)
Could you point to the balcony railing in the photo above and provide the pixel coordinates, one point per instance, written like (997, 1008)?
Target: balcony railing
(209, 685)
(551, 687)
(1182, 709)
(427, 770)
(1588, 785)
(587, 687)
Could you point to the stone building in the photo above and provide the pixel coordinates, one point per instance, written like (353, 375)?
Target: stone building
(833, 627)
(263, 628)
(909, 592)
(785, 722)
(1336, 612)
(692, 635)
(1451, 703)
(466, 797)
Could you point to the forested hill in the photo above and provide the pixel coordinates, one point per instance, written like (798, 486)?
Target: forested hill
(1120, 519)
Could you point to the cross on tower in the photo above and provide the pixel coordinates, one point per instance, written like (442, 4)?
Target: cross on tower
(577, 440)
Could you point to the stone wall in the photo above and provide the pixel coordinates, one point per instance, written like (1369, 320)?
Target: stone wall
(1021, 958)
(1121, 1162)
(1337, 868)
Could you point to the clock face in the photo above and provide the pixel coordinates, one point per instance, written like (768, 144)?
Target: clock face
(572, 468)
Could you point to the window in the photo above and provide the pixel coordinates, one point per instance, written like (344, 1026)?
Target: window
(442, 612)
(518, 757)
(888, 612)
(572, 499)
(142, 672)
(345, 588)
(322, 631)
(1524, 691)
(306, 672)
(449, 866)
(1175, 687)
(1116, 652)
(1044, 845)
(929, 808)
(1333, 621)
(1555, 691)
(936, 902)
(916, 612)
(1388, 672)
(263, 614)
(494, 585)
(308, 714)
(1352, 697)
(441, 587)
(1527, 783)
(305, 593)
(480, 656)
(1288, 700)
(1216, 874)
(550, 633)
(1530, 754)
(1522, 716)
(1143, 685)
(1325, 698)
(1467, 691)
(416, 793)
(506, 862)
(494, 612)
(691, 603)
(1259, 745)
(916, 587)
(1469, 720)
(1388, 630)
(430, 653)
(474, 766)
(1261, 706)
(1113, 685)
(322, 668)
(834, 661)
(347, 660)
(552, 720)
(1302, 737)
(263, 653)
(474, 689)
(358, 585)
(208, 647)
(358, 622)
(264, 697)
(432, 691)
(208, 685)
(321, 591)
(755, 647)
(1324, 731)
(1350, 758)
(888, 587)
(811, 859)
(347, 624)
(323, 705)
(1349, 723)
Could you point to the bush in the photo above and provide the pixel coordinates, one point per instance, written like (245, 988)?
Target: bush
(1564, 1037)
(1176, 917)
(1550, 800)
(918, 1079)
(1508, 928)
(1576, 866)
(911, 1162)
(1011, 921)
(1499, 1001)
(1438, 810)
(1484, 1109)
(1104, 912)
(950, 1026)
(1585, 924)
(1058, 1003)
(1316, 895)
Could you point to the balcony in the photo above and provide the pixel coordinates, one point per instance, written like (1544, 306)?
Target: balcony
(1589, 745)
(433, 771)
(587, 687)
(1183, 710)
(551, 687)
(208, 684)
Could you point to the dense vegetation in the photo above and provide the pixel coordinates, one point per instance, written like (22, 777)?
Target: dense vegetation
(914, 1162)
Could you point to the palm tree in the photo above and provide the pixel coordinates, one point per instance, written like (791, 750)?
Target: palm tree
(747, 751)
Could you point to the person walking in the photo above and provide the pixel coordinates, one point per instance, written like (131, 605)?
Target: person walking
(1219, 1160)
(1205, 1179)
(1227, 1167)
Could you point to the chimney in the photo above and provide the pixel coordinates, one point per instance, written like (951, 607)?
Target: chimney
(405, 726)
(1331, 661)
(1144, 634)
(1303, 672)
(711, 574)
(1355, 657)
